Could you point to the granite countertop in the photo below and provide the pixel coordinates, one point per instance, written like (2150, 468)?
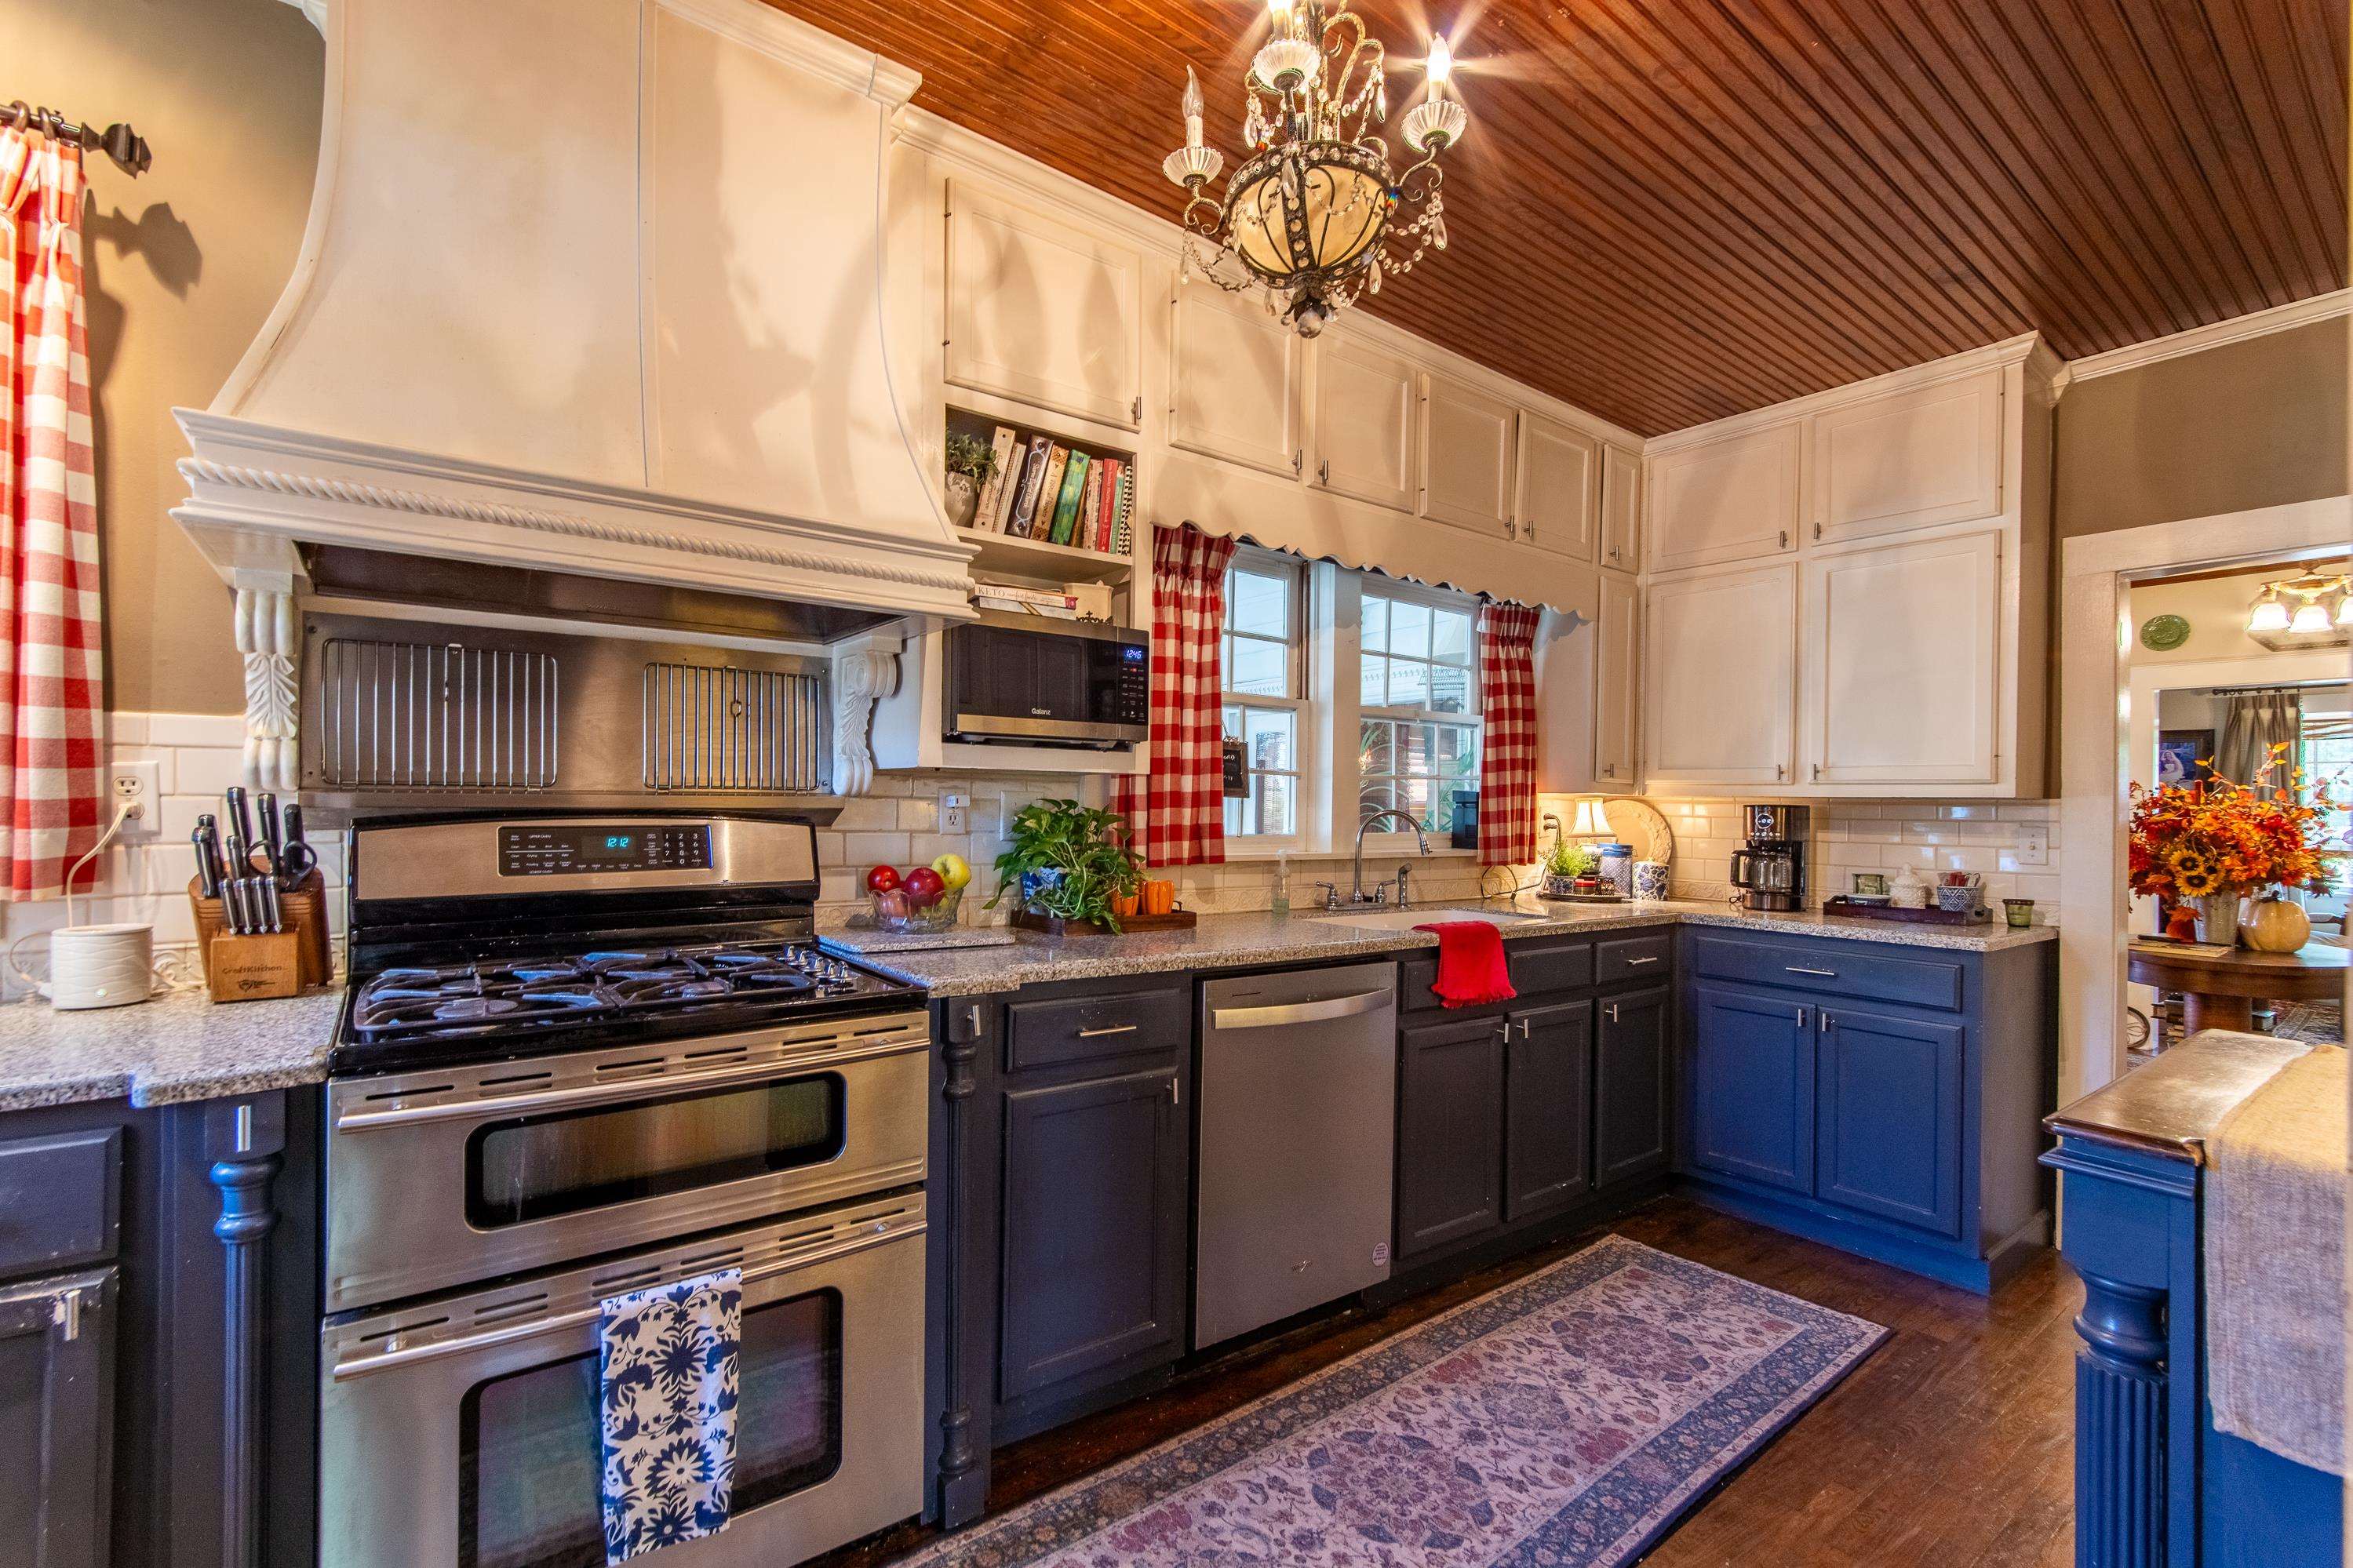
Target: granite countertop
(180, 1046)
(1305, 936)
(2171, 1105)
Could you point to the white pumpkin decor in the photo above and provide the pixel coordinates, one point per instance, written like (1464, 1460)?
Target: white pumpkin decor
(2276, 924)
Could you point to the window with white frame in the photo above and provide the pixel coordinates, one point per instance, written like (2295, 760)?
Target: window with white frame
(1418, 702)
(1260, 660)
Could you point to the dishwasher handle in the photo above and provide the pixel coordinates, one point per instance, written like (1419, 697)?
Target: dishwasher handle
(1285, 1013)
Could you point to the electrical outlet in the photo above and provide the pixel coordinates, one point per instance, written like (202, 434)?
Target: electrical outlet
(2035, 845)
(135, 784)
(956, 814)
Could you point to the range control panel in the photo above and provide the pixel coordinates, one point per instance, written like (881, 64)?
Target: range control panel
(578, 849)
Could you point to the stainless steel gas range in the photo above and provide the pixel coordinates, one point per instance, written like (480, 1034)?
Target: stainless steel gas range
(580, 1055)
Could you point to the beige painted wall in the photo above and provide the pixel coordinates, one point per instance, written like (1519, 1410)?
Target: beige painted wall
(184, 262)
(2252, 424)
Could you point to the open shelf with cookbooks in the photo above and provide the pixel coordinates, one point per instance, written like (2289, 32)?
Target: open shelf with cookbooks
(1048, 508)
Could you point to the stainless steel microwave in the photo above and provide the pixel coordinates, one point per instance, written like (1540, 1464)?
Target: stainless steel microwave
(1034, 680)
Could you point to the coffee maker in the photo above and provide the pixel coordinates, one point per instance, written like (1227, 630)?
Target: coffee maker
(1771, 871)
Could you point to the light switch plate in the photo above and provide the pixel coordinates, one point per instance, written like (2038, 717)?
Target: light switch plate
(2035, 845)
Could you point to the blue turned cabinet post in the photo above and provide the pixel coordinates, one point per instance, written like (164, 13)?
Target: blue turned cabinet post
(2156, 1485)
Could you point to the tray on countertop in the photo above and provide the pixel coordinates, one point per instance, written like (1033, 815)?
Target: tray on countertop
(1175, 920)
(1848, 909)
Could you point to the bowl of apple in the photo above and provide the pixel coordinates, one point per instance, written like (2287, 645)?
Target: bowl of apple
(921, 899)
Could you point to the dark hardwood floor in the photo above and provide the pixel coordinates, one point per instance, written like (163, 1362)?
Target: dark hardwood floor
(1952, 1443)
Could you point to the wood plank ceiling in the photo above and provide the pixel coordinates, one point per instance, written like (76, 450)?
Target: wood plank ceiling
(1667, 211)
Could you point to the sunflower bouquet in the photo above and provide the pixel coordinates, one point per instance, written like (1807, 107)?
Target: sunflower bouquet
(2221, 837)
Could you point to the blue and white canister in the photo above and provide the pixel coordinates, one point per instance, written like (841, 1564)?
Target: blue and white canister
(1617, 867)
(1651, 881)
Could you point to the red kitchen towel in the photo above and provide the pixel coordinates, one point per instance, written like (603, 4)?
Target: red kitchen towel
(1471, 967)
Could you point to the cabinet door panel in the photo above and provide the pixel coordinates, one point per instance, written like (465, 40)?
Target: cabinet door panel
(1902, 662)
(1630, 1113)
(1888, 1118)
(1363, 436)
(57, 1416)
(1449, 1125)
(1750, 1065)
(1918, 457)
(1733, 498)
(1233, 381)
(1621, 509)
(1093, 1228)
(1466, 455)
(1720, 663)
(1548, 1101)
(1557, 487)
(1617, 685)
(1043, 312)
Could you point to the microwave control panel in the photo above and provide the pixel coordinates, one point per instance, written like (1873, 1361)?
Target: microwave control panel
(1134, 691)
(572, 850)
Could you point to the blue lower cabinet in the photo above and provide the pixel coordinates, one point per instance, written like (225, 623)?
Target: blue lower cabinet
(1750, 1072)
(1887, 1117)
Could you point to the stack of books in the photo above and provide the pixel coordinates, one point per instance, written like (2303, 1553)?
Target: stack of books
(1044, 489)
(1013, 599)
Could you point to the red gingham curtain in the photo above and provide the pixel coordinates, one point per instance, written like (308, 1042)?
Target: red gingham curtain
(1179, 811)
(1507, 742)
(50, 613)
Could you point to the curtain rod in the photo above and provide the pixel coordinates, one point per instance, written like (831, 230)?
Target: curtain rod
(117, 142)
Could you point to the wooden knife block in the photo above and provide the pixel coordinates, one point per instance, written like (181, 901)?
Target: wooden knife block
(272, 963)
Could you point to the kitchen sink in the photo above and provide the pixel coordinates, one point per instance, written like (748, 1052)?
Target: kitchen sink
(1405, 919)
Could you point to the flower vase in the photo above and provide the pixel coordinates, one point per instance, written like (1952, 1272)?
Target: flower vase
(2218, 920)
(962, 497)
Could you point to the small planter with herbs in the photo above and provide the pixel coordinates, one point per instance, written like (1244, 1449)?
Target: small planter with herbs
(1070, 869)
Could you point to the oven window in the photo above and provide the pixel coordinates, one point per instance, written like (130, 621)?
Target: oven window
(529, 1453)
(543, 1165)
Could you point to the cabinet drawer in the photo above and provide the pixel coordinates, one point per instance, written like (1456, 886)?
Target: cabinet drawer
(59, 1200)
(1537, 968)
(1091, 1029)
(1865, 973)
(1633, 958)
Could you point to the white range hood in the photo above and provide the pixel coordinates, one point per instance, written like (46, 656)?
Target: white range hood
(591, 287)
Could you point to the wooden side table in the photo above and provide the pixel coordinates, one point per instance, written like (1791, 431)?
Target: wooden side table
(2220, 991)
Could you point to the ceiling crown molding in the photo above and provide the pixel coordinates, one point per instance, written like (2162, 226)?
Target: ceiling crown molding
(2214, 335)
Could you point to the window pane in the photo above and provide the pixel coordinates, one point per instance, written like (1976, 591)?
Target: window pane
(1375, 754)
(1374, 672)
(1455, 747)
(1259, 603)
(1377, 623)
(1371, 798)
(1258, 669)
(1230, 721)
(1238, 817)
(1413, 796)
(1271, 800)
(1451, 637)
(1409, 683)
(1449, 689)
(1269, 739)
(1410, 628)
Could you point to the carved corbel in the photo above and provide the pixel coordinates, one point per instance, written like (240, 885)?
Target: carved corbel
(865, 671)
(270, 640)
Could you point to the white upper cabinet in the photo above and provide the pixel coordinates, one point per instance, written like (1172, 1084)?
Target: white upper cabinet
(1617, 687)
(1043, 312)
(1234, 383)
(1902, 664)
(1720, 665)
(1911, 459)
(1731, 499)
(1621, 509)
(1362, 437)
(1558, 488)
(1466, 455)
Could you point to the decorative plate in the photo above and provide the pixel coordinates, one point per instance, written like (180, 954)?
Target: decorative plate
(1639, 825)
(2163, 633)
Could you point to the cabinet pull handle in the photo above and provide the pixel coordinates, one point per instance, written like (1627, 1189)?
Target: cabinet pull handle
(1175, 1093)
(1631, 963)
(1802, 1017)
(1823, 1021)
(1323, 471)
(66, 1313)
(1136, 411)
(1298, 459)
(1802, 969)
(1818, 530)
(1609, 1010)
(1817, 773)
(1784, 539)
(1108, 1029)
(1524, 1028)
(1779, 772)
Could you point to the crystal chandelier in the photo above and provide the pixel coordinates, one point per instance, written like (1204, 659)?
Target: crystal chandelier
(1312, 212)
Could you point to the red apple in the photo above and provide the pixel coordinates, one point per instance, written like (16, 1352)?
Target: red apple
(924, 887)
(880, 879)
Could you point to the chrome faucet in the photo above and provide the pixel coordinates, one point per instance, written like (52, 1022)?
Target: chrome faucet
(1356, 894)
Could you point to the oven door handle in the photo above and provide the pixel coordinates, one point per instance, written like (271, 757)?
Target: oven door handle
(897, 1043)
(386, 1360)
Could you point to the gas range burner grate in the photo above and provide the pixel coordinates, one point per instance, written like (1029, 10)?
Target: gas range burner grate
(475, 999)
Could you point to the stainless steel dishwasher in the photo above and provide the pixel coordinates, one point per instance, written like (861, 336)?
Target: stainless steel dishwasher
(1298, 1091)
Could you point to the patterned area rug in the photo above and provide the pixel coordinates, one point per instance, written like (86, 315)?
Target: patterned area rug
(1564, 1421)
(2315, 1023)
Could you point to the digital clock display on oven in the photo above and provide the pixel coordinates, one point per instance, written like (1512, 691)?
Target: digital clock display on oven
(572, 850)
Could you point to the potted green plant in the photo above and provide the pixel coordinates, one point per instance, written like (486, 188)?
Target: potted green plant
(970, 462)
(1068, 862)
(1566, 865)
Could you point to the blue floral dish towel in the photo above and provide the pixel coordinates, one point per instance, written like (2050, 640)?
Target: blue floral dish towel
(666, 1392)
